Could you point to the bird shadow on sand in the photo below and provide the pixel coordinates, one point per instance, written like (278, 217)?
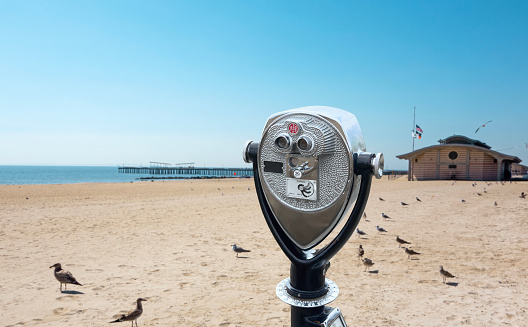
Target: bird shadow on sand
(415, 259)
(242, 257)
(373, 271)
(452, 284)
(71, 292)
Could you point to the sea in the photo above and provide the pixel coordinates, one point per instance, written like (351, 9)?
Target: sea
(24, 175)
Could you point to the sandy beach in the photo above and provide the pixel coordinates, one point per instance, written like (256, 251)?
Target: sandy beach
(169, 242)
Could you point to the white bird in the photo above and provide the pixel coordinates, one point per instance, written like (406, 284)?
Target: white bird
(238, 249)
(132, 315)
(63, 276)
(483, 125)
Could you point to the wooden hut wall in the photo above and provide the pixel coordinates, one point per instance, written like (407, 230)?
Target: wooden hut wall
(453, 168)
(424, 166)
(482, 166)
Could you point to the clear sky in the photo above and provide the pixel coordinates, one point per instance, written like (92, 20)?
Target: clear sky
(128, 82)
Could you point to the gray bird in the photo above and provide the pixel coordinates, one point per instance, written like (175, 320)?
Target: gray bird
(445, 274)
(479, 194)
(410, 252)
(384, 216)
(361, 252)
(418, 199)
(63, 276)
(381, 199)
(523, 195)
(360, 232)
(132, 315)
(483, 125)
(404, 204)
(365, 215)
(463, 201)
(367, 263)
(380, 229)
(495, 203)
(238, 249)
(401, 241)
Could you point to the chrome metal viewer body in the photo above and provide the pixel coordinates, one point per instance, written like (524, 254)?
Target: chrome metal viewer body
(306, 163)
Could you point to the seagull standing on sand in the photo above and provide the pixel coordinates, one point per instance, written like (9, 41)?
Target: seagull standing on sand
(380, 229)
(523, 195)
(404, 204)
(365, 215)
(238, 249)
(132, 315)
(384, 216)
(361, 252)
(63, 276)
(381, 199)
(445, 274)
(463, 201)
(360, 232)
(367, 263)
(410, 252)
(401, 241)
(418, 199)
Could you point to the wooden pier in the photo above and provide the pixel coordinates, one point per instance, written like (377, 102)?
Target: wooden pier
(180, 170)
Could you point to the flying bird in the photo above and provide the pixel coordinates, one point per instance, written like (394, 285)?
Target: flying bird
(361, 252)
(445, 274)
(404, 204)
(401, 241)
(360, 232)
(380, 229)
(418, 199)
(238, 249)
(385, 216)
(132, 315)
(367, 263)
(63, 276)
(483, 125)
(410, 252)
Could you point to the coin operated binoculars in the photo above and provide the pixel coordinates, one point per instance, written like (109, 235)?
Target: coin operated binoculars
(311, 172)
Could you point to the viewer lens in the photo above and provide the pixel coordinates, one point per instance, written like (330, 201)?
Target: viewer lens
(282, 142)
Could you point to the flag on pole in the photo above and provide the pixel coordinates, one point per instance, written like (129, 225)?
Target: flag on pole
(418, 129)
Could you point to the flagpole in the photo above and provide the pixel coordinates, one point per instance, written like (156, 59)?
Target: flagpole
(414, 127)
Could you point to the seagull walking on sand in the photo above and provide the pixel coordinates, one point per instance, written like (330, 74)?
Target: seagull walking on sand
(238, 249)
(445, 274)
(401, 241)
(63, 276)
(361, 252)
(360, 232)
(410, 252)
(132, 315)
(380, 229)
(367, 263)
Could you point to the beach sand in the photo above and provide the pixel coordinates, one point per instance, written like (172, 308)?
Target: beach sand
(169, 242)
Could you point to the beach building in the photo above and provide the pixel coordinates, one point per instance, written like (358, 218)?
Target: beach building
(518, 169)
(458, 157)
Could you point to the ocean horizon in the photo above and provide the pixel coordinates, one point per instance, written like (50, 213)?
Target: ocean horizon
(31, 175)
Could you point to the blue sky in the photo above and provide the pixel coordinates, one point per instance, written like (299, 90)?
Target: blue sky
(128, 82)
